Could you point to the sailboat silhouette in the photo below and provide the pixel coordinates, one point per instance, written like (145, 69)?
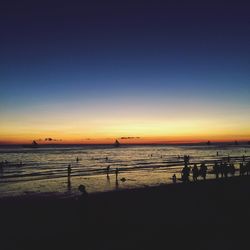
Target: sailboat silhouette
(34, 144)
(117, 143)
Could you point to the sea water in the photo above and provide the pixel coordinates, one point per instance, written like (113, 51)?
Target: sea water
(43, 170)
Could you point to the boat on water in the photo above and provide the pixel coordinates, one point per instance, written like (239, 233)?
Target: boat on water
(117, 143)
(34, 144)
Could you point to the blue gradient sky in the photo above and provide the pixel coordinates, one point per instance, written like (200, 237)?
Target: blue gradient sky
(123, 61)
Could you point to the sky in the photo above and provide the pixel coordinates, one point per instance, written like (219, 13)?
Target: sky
(137, 71)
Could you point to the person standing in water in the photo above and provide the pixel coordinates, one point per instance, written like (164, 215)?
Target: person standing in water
(195, 172)
(174, 178)
(185, 173)
(216, 170)
(107, 171)
(69, 171)
(203, 171)
(116, 173)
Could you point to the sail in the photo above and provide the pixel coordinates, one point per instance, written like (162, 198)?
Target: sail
(117, 143)
(34, 143)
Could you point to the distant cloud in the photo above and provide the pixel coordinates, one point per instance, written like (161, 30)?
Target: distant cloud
(129, 137)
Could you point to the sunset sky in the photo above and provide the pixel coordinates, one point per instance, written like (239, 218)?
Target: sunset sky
(94, 71)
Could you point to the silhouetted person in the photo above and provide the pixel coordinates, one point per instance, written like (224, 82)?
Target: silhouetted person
(108, 168)
(106, 158)
(174, 178)
(83, 191)
(203, 171)
(221, 169)
(185, 173)
(242, 169)
(243, 158)
(116, 174)
(217, 153)
(195, 172)
(225, 169)
(248, 167)
(216, 170)
(69, 171)
(186, 159)
(232, 169)
(77, 159)
(228, 158)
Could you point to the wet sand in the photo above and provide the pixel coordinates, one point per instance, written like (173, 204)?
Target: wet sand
(204, 215)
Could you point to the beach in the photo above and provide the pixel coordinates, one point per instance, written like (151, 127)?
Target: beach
(43, 208)
(124, 125)
(211, 214)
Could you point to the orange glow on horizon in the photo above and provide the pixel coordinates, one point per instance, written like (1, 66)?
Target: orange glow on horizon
(141, 140)
(70, 128)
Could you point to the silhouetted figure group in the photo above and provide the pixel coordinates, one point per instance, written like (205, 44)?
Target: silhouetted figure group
(244, 168)
(223, 169)
(116, 171)
(196, 172)
(6, 164)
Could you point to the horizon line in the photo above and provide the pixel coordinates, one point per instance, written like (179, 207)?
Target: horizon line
(207, 142)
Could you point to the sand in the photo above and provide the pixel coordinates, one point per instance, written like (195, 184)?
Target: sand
(203, 215)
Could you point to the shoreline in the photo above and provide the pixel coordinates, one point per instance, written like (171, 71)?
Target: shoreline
(53, 195)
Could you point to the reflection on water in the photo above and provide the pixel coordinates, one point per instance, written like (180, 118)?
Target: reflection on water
(116, 184)
(45, 169)
(69, 185)
(108, 179)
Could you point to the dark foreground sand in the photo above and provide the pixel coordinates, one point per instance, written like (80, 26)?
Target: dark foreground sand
(205, 215)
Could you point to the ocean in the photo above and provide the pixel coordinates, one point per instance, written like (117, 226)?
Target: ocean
(43, 170)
